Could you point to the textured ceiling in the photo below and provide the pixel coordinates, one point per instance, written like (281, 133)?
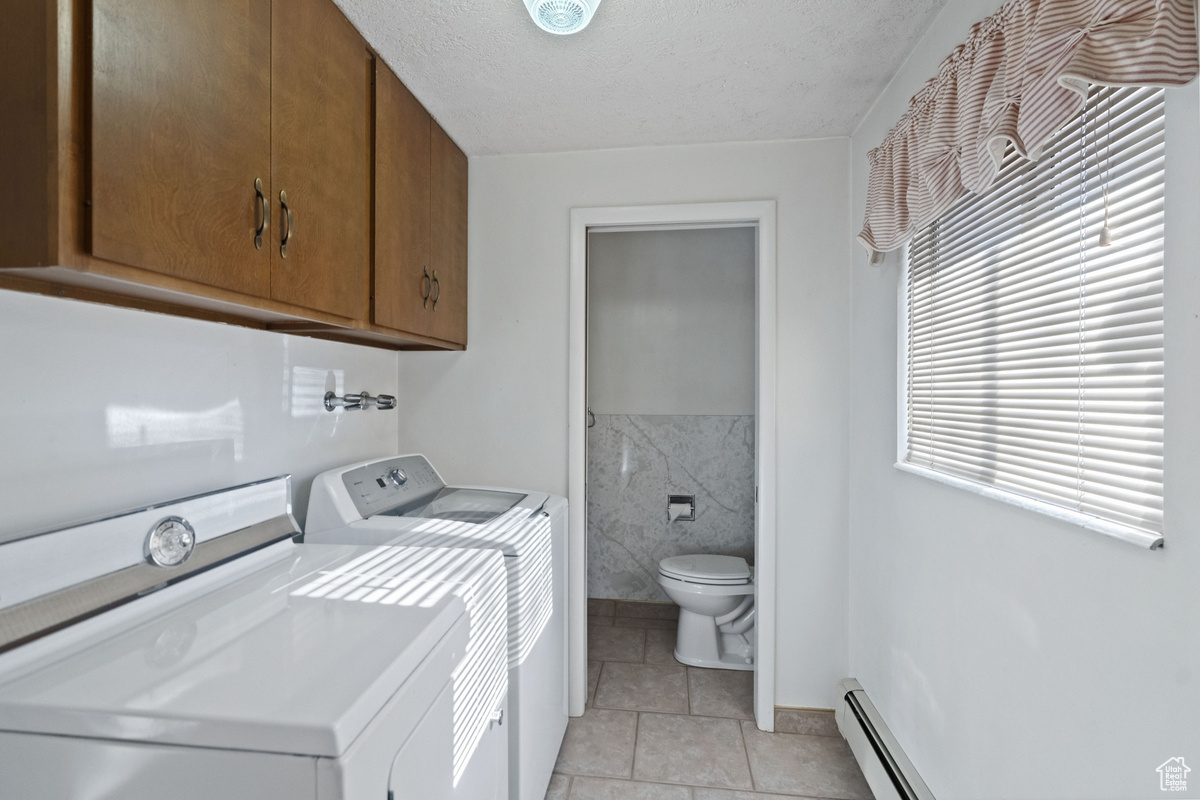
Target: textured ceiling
(644, 72)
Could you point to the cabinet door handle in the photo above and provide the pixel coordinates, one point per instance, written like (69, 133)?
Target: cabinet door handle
(437, 285)
(426, 288)
(289, 221)
(266, 213)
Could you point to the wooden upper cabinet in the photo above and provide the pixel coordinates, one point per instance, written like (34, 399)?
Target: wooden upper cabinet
(420, 218)
(180, 131)
(145, 145)
(321, 159)
(402, 269)
(448, 225)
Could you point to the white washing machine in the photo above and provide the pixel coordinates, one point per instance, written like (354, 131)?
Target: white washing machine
(186, 651)
(403, 501)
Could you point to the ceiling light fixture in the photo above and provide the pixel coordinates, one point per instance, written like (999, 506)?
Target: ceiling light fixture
(562, 16)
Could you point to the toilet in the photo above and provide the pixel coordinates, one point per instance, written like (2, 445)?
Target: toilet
(715, 595)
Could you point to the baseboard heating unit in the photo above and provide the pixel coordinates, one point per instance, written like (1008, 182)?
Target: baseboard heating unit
(888, 771)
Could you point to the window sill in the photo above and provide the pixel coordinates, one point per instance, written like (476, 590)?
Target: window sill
(1149, 541)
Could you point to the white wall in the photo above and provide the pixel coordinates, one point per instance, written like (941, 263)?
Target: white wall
(497, 413)
(671, 321)
(1015, 656)
(111, 409)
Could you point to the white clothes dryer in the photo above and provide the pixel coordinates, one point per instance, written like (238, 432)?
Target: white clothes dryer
(404, 501)
(479, 684)
(187, 651)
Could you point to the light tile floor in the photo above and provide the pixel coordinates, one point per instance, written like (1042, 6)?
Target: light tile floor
(657, 730)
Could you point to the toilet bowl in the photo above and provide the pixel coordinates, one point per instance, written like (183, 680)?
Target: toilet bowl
(715, 595)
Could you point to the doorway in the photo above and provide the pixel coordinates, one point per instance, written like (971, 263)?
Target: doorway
(759, 218)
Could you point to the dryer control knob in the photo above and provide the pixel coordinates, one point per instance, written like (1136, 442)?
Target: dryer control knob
(397, 477)
(170, 542)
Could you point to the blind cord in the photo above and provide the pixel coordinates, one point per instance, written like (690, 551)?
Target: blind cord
(1105, 231)
(1084, 191)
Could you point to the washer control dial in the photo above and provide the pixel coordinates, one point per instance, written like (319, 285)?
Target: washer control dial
(397, 477)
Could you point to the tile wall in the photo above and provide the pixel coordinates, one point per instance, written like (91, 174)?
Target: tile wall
(634, 462)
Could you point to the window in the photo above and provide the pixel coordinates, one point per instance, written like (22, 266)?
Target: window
(1034, 367)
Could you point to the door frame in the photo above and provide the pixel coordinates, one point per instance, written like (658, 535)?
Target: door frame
(760, 214)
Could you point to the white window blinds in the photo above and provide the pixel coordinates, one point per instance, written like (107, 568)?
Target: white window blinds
(1035, 356)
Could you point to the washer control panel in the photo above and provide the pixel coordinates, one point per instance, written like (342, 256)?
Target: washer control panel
(391, 482)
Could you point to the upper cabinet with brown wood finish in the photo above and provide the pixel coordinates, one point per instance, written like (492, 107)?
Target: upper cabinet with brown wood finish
(320, 158)
(420, 218)
(403, 284)
(215, 160)
(181, 138)
(448, 253)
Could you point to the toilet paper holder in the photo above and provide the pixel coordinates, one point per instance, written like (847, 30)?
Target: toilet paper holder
(681, 507)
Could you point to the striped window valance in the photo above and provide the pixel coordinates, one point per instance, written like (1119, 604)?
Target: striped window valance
(1022, 74)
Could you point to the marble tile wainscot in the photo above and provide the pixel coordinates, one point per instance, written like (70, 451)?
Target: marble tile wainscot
(634, 462)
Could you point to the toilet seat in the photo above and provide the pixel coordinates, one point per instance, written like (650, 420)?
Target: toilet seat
(706, 569)
(692, 587)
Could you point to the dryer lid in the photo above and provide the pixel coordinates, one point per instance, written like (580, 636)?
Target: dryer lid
(715, 569)
(255, 663)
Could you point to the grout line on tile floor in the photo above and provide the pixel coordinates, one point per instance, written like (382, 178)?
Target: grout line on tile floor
(599, 677)
(687, 687)
(637, 730)
(746, 753)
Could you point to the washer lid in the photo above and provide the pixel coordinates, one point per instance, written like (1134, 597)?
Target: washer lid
(706, 568)
(460, 504)
(520, 531)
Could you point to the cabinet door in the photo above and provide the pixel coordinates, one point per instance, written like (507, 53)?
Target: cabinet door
(180, 130)
(320, 158)
(401, 227)
(448, 226)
